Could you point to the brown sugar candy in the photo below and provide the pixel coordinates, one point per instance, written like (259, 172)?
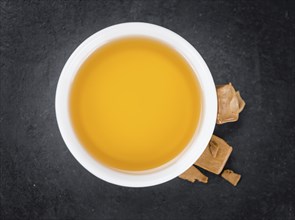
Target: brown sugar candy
(217, 152)
(213, 147)
(231, 177)
(215, 155)
(193, 174)
(230, 104)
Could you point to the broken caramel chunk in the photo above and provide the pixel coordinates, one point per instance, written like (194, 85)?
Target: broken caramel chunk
(213, 147)
(193, 174)
(241, 101)
(214, 159)
(230, 104)
(231, 177)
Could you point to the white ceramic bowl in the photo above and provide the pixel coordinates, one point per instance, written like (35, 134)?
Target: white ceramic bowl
(202, 135)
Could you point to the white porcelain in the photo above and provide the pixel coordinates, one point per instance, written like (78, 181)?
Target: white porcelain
(202, 135)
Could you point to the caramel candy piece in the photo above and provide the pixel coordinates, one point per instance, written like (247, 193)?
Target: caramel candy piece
(214, 160)
(231, 177)
(241, 101)
(213, 147)
(230, 104)
(193, 174)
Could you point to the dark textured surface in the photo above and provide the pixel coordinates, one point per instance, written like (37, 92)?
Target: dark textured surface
(248, 43)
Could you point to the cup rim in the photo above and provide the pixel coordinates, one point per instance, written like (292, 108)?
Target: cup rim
(202, 135)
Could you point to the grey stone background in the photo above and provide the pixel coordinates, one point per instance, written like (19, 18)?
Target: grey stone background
(249, 43)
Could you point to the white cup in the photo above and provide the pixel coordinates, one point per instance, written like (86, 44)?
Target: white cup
(202, 134)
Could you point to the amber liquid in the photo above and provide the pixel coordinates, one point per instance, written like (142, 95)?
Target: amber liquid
(135, 104)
